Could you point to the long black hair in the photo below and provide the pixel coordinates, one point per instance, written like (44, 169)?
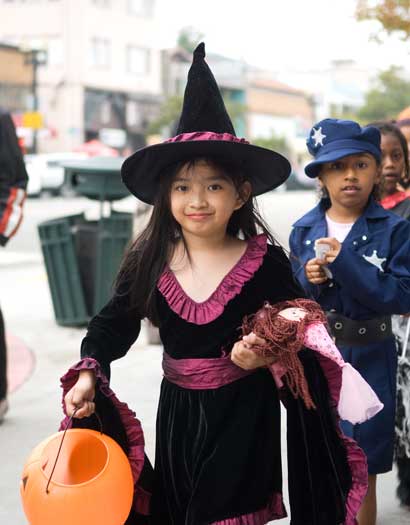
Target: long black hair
(146, 258)
(390, 128)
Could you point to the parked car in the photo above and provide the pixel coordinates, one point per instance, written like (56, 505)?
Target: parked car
(300, 181)
(34, 176)
(46, 173)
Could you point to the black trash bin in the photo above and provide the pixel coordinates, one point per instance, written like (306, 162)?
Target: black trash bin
(82, 257)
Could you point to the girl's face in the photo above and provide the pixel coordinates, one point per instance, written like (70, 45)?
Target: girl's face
(392, 162)
(350, 180)
(203, 199)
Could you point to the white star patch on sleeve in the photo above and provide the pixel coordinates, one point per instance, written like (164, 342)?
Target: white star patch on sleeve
(318, 136)
(375, 260)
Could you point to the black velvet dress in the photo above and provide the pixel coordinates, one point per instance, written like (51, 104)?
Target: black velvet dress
(218, 453)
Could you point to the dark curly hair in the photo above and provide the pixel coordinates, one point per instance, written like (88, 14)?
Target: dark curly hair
(391, 128)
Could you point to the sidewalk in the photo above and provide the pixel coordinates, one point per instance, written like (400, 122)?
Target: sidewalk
(41, 351)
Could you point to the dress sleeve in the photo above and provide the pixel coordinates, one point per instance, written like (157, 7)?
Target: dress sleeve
(384, 287)
(111, 332)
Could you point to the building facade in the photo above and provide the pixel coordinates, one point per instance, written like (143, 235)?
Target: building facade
(230, 75)
(275, 109)
(103, 72)
(15, 80)
(338, 89)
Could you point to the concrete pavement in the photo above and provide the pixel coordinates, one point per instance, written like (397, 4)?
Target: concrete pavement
(35, 401)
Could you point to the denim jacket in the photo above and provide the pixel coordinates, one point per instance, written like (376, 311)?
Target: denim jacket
(371, 274)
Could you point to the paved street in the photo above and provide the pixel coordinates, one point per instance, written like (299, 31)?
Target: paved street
(41, 351)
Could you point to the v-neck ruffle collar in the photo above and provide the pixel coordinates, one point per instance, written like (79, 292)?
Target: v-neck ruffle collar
(207, 311)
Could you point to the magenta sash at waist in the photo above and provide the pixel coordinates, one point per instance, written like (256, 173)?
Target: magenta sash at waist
(202, 374)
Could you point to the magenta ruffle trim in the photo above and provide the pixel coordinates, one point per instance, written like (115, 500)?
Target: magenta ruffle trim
(274, 511)
(206, 135)
(355, 455)
(131, 424)
(228, 288)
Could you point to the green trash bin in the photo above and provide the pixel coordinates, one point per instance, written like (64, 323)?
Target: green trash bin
(97, 178)
(82, 257)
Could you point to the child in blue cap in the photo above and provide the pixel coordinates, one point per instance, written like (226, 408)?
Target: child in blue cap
(353, 257)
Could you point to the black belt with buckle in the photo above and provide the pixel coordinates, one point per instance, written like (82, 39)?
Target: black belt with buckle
(349, 332)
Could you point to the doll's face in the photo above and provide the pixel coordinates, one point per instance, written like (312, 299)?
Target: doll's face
(293, 314)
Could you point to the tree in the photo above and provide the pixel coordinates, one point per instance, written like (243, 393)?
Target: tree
(393, 15)
(387, 98)
(189, 38)
(171, 110)
(168, 114)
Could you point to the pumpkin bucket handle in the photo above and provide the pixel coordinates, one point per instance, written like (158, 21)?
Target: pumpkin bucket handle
(70, 419)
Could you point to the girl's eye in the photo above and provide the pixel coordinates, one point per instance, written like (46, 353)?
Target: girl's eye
(181, 187)
(397, 156)
(215, 187)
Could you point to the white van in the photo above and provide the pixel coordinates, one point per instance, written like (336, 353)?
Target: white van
(46, 173)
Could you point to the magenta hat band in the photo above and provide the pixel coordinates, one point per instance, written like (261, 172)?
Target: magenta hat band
(206, 135)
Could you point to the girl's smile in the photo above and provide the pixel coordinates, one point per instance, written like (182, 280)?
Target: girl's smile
(199, 216)
(203, 200)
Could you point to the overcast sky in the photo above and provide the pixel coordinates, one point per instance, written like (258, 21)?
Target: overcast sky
(280, 34)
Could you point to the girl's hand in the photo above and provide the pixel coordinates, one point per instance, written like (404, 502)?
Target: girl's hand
(82, 395)
(335, 247)
(243, 355)
(314, 271)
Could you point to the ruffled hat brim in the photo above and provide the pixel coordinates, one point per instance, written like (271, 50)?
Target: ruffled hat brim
(263, 168)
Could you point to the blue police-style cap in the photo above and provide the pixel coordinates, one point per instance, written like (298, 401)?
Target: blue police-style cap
(332, 139)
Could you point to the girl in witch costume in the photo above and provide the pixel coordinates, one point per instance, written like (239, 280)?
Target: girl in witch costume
(361, 277)
(198, 271)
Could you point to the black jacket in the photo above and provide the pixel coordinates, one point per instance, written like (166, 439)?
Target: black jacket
(13, 180)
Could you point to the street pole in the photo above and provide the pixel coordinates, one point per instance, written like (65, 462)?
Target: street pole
(34, 94)
(35, 57)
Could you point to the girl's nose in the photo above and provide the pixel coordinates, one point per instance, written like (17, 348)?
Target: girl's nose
(387, 161)
(198, 199)
(350, 174)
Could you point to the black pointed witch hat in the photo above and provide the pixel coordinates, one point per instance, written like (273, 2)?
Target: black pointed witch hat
(204, 130)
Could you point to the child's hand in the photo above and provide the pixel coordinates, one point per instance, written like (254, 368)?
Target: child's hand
(82, 395)
(243, 355)
(315, 274)
(335, 247)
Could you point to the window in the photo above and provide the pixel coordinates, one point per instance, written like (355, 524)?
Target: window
(100, 53)
(141, 7)
(137, 60)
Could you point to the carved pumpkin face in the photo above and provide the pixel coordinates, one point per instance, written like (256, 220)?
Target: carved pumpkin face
(91, 484)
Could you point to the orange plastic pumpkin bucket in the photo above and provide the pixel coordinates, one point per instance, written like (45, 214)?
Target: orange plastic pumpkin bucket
(91, 483)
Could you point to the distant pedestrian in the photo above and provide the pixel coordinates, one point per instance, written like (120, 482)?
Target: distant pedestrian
(395, 176)
(204, 263)
(362, 276)
(13, 182)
